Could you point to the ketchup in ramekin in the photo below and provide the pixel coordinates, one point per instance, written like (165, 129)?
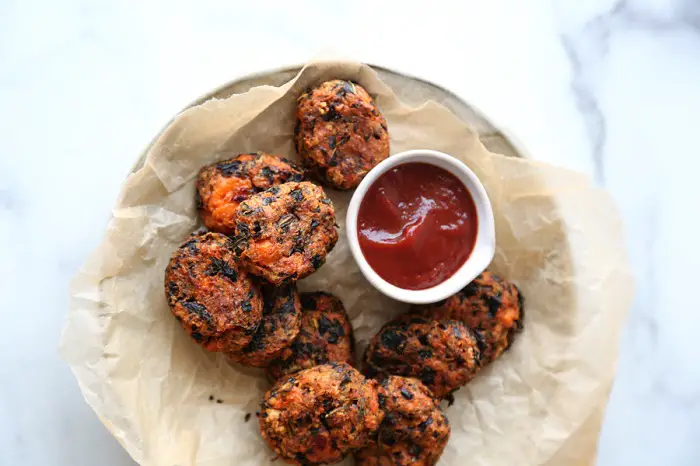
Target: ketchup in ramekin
(417, 225)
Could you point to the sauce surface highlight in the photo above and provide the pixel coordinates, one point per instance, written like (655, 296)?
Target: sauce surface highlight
(417, 225)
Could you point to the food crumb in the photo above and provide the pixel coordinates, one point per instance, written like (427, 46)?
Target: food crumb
(219, 401)
(211, 397)
(247, 417)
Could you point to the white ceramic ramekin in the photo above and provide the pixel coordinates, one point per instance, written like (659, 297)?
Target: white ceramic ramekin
(484, 247)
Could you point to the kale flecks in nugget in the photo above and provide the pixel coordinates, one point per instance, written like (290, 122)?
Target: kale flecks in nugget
(340, 134)
(444, 355)
(325, 336)
(223, 185)
(215, 301)
(321, 414)
(279, 326)
(414, 430)
(489, 305)
(283, 234)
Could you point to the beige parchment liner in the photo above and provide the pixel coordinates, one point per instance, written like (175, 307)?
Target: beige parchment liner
(558, 237)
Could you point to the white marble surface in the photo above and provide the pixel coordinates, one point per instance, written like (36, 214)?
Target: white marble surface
(608, 87)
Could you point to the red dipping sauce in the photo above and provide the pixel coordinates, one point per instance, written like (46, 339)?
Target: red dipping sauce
(417, 225)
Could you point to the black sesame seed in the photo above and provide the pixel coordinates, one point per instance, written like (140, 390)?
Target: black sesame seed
(425, 424)
(480, 342)
(297, 195)
(393, 339)
(199, 310)
(494, 304)
(230, 168)
(331, 115)
(316, 261)
(221, 267)
(267, 173)
(173, 288)
(191, 246)
(415, 450)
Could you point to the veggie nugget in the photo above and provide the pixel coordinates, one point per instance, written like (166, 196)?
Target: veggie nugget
(284, 233)
(444, 355)
(215, 301)
(490, 305)
(280, 325)
(223, 185)
(325, 336)
(414, 430)
(319, 415)
(340, 134)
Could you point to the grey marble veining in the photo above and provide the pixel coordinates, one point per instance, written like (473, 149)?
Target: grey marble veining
(611, 88)
(586, 37)
(634, 64)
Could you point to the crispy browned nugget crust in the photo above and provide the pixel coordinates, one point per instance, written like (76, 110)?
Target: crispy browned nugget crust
(340, 134)
(280, 325)
(221, 186)
(325, 336)
(414, 431)
(490, 305)
(213, 299)
(319, 415)
(283, 234)
(444, 355)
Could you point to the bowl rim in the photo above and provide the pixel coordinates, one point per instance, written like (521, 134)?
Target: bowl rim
(498, 126)
(484, 245)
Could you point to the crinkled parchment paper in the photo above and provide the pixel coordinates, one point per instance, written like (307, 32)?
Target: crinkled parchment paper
(558, 237)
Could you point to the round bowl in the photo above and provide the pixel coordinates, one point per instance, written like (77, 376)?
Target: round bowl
(484, 246)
